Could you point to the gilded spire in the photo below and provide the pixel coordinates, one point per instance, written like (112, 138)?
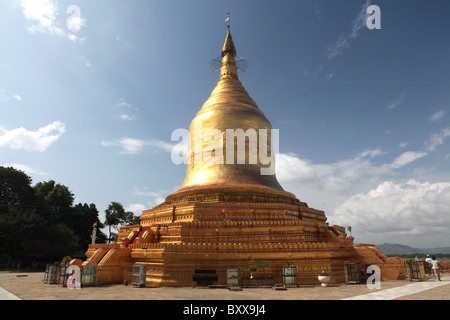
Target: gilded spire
(214, 164)
(228, 45)
(228, 69)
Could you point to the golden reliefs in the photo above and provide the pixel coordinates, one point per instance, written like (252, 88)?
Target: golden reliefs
(231, 213)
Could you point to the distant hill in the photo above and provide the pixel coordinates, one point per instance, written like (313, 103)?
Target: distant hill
(400, 249)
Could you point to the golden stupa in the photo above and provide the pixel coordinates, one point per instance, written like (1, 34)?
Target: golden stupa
(229, 215)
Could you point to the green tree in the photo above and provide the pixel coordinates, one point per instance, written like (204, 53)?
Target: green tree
(132, 219)
(56, 202)
(27, 235)
(15, 188)
(54, 195)
(41, 222)
(115, 216)
(83, 220)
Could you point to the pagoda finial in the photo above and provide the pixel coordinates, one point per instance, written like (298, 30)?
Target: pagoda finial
(228, 45)
(228, 20)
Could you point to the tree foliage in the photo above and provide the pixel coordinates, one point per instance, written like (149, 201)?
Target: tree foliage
(42, 222)
(54, 195)
(115, 216)
(82, 222)
(15, 188)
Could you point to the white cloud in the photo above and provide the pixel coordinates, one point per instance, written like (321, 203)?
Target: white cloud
(39, 140)
(395, 103)
(406, 158)
(324, 186)
(128, 145)
(291, 168)
(123, 104)
(437, 115)
(329, 76)
(355, 192)
(437, 139)
(27, 169)
(84, 60)
(154, 198)
(5, 97)
(136, 208)
(370, 153)
(133, 146)
(126, 116)
(327, 185)
(411, 212)
(335, 177)
(345, 40)
(42, 17)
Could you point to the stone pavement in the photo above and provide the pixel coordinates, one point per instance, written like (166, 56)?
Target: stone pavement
(30, 286)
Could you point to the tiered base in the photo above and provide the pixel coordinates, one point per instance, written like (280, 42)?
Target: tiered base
(197, 239)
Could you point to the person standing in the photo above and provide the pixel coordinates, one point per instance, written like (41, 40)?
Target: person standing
(436, 266)
(428, 264)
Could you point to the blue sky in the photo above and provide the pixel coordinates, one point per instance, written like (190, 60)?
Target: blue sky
(91, 91)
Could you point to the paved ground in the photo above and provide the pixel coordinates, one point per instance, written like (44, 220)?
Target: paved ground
(30, 286)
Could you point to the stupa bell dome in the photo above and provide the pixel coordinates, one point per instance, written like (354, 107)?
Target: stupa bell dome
(231, 139)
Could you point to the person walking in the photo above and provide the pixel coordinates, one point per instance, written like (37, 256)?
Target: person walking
(436, 266)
